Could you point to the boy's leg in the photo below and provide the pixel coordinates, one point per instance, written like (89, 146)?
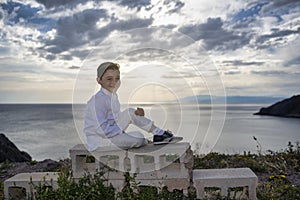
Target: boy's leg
(131, 140)
(128, 117)
(160, 136)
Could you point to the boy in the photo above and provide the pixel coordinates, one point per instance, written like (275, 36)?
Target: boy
(103, 118)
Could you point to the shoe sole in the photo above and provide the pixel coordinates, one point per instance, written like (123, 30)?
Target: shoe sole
(169, 141)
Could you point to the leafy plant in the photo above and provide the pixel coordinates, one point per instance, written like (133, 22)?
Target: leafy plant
(278, 187)
(88, 187)
(1, 190)
(275, 182)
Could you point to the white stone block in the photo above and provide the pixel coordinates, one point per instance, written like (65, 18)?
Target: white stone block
(27, 181)
(224, 179)
(155, 165)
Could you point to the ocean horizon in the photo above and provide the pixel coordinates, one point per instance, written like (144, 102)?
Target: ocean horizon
(50, 130)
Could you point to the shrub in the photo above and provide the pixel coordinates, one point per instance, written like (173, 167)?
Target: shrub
(88, 187)
(1, 190)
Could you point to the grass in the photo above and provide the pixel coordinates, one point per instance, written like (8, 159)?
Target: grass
(94, 187)
(277, 172)
(1, 190)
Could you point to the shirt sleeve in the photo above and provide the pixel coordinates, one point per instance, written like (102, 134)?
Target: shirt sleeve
(107, 124)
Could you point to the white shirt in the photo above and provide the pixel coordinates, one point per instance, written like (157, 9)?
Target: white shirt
(100, 116)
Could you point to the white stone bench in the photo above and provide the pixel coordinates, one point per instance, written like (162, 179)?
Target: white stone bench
(155, 165)
(21, 186)
(224, 179)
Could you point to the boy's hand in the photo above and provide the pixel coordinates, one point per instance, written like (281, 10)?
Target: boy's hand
(139, 112)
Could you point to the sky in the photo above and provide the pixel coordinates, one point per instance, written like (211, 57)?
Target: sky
(167, 49)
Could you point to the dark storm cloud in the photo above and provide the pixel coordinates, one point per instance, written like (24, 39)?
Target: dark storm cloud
(73, 31)
(269, 73)
(1, 15)
(138, 4)
(215, 36)
(80, 28)
(241, 63)
(276, 4)
(74, 67)
(177, 7)
(173, 5)
(66, 57)
(276, 33)
(50, 57)
(232, 72)
(57, 3)
(16, 12)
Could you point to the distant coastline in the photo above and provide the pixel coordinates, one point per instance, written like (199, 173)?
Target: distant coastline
(207, 99)
(286, 108)
(197, 99)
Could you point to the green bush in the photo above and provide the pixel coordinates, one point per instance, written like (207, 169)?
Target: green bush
(88, 187)
(278, 187)
(274, 184)
(95, 186)
(275, 164)
(1, 190)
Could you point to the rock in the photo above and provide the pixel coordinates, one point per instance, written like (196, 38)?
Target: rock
(285, 108)
(46, 165)
(9, 151)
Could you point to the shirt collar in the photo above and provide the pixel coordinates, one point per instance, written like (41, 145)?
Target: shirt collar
(105, 91)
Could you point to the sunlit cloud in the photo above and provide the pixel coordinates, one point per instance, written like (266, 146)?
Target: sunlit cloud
(44, 45)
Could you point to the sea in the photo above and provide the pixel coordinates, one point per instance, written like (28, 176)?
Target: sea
(48, 131)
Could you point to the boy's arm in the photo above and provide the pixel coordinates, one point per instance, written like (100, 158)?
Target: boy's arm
(108, 127)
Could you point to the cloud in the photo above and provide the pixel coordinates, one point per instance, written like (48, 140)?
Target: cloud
(79, 53)
(81, 28)
(232, 72)
(1, 14)
(241, 63)
(278, 4)
(50, 57)
(57, 36)
(214, 36)
(73, 31)
(174, 5)
(74, 67)
(294, 61)
(137, 4)
(287, 53)
(269, 73)
(268, 22)
(276, 33)
(59, 3)
(4, 50)
(181, 75)
(17, 12)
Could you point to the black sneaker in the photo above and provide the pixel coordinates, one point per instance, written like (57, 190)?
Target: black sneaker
(166, 138)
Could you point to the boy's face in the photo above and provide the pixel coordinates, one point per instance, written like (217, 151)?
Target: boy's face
(110, 80)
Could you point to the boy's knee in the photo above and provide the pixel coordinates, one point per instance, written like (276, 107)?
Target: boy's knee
(140, 142)
(130, 111)
(138, 138)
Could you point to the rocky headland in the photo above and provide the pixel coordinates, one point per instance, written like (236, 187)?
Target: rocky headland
(286, 108)
(14, 161)
(9, 151)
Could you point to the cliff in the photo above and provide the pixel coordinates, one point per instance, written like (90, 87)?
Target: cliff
(21, 162)
(9, 151)
(286, 108)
